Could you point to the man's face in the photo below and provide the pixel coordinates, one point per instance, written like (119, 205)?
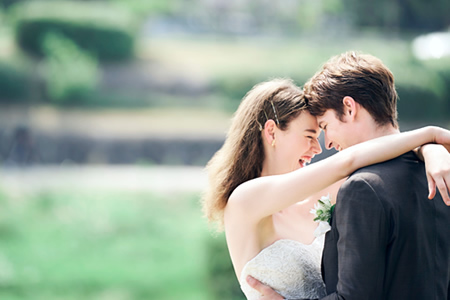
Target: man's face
(338, 134)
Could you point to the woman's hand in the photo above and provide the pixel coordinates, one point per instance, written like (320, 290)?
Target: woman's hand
(437, 165)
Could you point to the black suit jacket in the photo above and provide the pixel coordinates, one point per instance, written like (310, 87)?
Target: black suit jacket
(388, 241)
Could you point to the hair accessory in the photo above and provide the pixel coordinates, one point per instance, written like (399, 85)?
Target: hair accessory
(275, 112)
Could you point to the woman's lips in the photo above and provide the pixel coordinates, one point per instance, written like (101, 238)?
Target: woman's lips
(304, 160)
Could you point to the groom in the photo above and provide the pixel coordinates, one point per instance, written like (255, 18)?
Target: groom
(388, 241)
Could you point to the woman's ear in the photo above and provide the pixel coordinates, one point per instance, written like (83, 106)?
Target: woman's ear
(269, 131)
(351, 108)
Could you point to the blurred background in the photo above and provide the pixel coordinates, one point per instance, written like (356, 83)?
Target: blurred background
(109, 111)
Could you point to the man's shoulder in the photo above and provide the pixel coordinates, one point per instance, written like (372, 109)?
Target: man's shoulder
(374, 173)
(389, 175)
(396, 166)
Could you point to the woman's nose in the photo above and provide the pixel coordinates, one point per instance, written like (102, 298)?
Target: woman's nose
(317, 149)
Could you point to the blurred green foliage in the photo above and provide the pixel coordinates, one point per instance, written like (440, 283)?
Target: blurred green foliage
(72, 244)
(200, 71)
(146, 8)
(97, 27)
(70, 72)
(222, 281)
(399, 15)
(15, 82)
(231, 69)
(298, 16)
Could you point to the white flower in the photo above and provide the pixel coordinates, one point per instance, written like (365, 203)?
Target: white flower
(323, 228)
(322, 213)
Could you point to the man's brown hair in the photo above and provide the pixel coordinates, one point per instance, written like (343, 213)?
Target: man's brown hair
(361, 76)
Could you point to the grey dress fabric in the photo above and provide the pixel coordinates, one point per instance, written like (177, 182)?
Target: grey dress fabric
(289, 267)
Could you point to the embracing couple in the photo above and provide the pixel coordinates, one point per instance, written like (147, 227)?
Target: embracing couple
(390, 230)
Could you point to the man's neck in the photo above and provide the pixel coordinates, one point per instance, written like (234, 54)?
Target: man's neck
(379, 131)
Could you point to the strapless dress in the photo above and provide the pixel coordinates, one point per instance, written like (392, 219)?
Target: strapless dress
(289, 267)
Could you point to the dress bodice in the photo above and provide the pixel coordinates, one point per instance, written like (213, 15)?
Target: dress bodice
(289, 267)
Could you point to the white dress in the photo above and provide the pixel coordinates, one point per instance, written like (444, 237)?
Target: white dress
(289, 267)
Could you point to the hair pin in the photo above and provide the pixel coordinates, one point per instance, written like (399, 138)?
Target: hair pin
(275, 112)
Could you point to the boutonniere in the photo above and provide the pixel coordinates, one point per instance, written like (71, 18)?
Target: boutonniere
(323, 211)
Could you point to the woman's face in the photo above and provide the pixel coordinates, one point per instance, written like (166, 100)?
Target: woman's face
(298, 144)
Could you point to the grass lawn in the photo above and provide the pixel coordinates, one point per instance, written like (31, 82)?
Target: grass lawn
(70, 244)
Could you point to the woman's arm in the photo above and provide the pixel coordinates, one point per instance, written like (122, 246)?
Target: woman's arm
(263, 196)
(437, 164)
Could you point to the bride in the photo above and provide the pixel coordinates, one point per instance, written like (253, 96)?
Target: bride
(261, 192)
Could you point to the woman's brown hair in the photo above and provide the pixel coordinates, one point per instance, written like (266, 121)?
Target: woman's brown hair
(241, 156)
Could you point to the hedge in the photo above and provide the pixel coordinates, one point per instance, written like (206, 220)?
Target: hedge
(102, 29)
(221, 279)
(15, 82)
(70, 73)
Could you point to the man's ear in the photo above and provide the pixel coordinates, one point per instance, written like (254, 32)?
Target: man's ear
(269, 131)
(351, 108)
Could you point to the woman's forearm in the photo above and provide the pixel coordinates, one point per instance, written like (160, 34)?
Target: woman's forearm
(390, 146)
(266, 195)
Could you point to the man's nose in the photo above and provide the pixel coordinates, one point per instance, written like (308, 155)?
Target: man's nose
(328, 143)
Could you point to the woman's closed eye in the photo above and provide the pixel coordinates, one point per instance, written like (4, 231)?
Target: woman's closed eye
(312, 137)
